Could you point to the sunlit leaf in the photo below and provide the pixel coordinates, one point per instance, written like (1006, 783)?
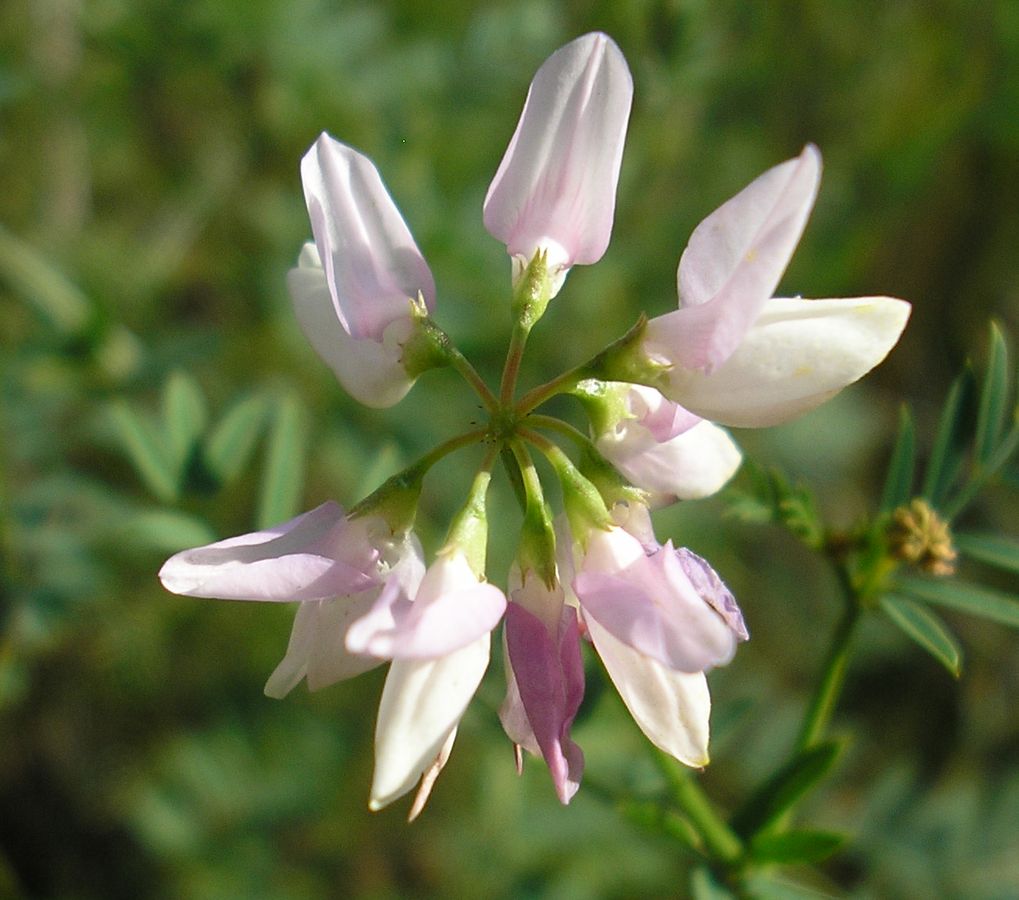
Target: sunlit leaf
(967, 598)
(791, 847)
(283, 479)
(230, 444)
(785, 788)
(949, 446)
(899, 479)
(993, 397)
(926, 629)
(146, 448)
(184, 416)
(991, 549)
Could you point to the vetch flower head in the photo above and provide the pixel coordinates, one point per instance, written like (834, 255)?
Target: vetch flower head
(555, 189)
(733, 354)
(353, 289)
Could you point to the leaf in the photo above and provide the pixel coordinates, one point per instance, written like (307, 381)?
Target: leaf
(991, 549)
(926, 629)
(950, 443)
(765, 495)
(146, 449)
(993, 397)
(231, 443)
(785, 788)
(899, 478)
(167, 530)
(791, 847)
(704, 886)
(283, 480)
(184, 417)
(967, 598)
(651, 817)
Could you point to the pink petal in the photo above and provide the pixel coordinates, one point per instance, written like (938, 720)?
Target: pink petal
(651, 605)
(372, 265)
(733, 264)
(549, 675)
(556, 185)
(314, 556)
(451, 609)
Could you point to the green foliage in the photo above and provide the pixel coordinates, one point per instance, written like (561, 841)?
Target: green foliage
(898, 487)
(785, 788)
(926, 629)
(967, 598)
(766, 495)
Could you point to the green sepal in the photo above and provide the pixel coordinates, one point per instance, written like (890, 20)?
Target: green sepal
(395, 500)
(468, 532)
(428, 346)
(532, 292)
(625, 360)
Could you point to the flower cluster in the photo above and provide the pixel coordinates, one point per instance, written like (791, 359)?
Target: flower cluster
(658, 616)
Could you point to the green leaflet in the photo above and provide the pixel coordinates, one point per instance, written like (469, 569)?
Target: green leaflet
(791, 847)
(283, 478)
(785, 788)
(899, 479)
(926, 629)
(993, 398)
(963, 597)
(953, 433)
(991, 549)
(230, 444)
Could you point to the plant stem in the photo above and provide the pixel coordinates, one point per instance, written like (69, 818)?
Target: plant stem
(822, 705)
(558, 385)
(510, 371)
(471, 376)
(719, 839)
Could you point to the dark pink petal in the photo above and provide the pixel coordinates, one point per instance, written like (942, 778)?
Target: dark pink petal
(549, 675)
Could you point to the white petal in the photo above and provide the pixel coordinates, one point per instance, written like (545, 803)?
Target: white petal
(798, 354)
(422, 702)
(372, 265)
(694, 464)
(556, 185)
(671, 708)
(370, 371)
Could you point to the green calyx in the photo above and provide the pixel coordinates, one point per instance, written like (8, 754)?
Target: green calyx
(532, 292)
(428, 346)
(626, 360)
(468, 532)
(395, 500)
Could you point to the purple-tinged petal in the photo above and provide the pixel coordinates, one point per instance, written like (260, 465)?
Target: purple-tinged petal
(314, 556)
(370, 371)
(372, 265)
(451, 609)
(663, 419)
(671, 708)
(555, 188)
(649, 603)
(733, 264)
(421, 705)
(549, 675)
(713, 590)
(798, 354)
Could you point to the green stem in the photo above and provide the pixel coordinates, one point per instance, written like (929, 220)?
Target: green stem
(565, 428)
(559, 385)
(510, 371)
(471, 376)
(826, 697)
(720, 841)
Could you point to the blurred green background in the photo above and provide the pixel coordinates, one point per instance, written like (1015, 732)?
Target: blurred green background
(156, 393)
